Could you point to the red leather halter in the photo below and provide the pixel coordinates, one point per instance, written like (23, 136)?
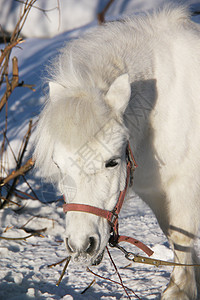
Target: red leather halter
(112, 216)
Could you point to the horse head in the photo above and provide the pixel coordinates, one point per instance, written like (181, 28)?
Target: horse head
(81, 143)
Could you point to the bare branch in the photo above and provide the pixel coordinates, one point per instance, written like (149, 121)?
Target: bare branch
(58, 263)
(34, 233)
(63, 271)
(21, 171)
(13, 85)
(87, 288)
(16, 239)
(8, 48)
(101, 15)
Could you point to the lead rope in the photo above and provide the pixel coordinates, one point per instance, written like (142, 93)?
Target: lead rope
(150, 261)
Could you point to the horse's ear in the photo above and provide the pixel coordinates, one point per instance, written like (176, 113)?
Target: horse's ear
(119, 93)
(55, 89)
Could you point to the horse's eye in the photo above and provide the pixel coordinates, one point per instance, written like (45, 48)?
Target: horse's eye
(111, 163)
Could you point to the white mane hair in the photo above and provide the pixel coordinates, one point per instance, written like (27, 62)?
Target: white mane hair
(85, 68)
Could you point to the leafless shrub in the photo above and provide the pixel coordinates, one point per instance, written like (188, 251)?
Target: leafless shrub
(9, 177)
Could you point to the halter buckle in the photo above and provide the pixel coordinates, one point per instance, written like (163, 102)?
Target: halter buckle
(112, 218)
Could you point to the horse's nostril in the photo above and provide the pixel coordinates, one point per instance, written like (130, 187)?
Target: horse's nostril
(91, 246)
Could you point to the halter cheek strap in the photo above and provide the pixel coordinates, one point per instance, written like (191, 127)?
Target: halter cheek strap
(112, 216)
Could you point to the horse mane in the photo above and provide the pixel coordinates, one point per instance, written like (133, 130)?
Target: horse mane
(85, 69)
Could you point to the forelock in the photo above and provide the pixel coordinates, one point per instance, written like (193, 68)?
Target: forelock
(75, 120)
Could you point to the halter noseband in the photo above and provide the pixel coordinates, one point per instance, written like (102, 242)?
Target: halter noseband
(112, 216)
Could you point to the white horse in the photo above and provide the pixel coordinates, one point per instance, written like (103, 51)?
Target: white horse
(135, 80)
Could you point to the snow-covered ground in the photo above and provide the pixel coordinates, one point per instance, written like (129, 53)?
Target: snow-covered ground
(24, 272)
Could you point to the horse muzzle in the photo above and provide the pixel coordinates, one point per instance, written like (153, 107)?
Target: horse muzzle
(85, 250)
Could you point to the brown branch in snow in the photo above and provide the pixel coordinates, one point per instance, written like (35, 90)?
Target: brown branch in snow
(16, 239)
(23, 195)
(87, 288)
(11, 86)
(22, 238)
(32, 232)
(21, 171)
(3, 198)
(5, 55)
(101, 15)
(114, 265)
(58, 263)
(113, 281)
(27, 7)
(8, 48)
(24, 145)
(39, 217)
(39, 8)
(29, 86)
(63, 271)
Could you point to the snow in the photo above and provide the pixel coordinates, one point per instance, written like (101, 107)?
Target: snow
(24, 270)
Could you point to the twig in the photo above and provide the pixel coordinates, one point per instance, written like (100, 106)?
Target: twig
(101, 15)
(27, 7)
(11, 82)
(8, 143)
(25, 196)
(29, 86)
(9, 48)
(24, 145)
(14, 175)
(34, 231)
(29, 186)
(5, 35)
(7, 228)
(63, 272)
(39, 8)
(113, 281)
(58, 263)
(87, 288)
(117, 272)
(8, 200)
(39, 217)
(21, 171)
(59, 13)
(127, 266)
(14, 40)
(33, 217)
(11, 86)
(18, 239)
